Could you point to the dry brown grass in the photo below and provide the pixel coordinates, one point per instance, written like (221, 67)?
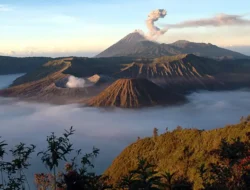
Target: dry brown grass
(166, 150)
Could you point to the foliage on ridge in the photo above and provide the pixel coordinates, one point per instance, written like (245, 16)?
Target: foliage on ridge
(167, 151)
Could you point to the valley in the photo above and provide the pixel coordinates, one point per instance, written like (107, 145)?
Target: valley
(124, 95)
(31, 122)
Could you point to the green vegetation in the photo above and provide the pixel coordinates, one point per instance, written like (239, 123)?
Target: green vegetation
(181, 151)
(180, 160)
(12, 172)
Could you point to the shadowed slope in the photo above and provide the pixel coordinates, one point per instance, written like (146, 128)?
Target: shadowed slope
(134, 93)
(13, 65)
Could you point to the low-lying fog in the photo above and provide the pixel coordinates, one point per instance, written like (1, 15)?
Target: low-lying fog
(6, 80)
(112, 130)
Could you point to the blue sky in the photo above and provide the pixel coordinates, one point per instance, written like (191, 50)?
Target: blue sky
(85, 27)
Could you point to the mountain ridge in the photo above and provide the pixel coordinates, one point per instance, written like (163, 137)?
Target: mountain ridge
(166, 150)
(136, 45)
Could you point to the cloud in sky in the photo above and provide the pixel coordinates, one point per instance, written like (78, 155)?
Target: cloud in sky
(5, 8)
(216, 21)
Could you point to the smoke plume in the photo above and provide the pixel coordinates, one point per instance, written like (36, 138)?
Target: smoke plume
(74, 82)
(154, 31)
(216, 21)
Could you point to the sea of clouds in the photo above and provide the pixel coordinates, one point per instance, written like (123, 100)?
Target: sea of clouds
(112, 130)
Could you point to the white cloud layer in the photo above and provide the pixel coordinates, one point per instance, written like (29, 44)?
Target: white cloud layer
(113, 130)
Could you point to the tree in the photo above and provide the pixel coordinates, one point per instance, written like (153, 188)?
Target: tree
(232, 171)
(167, 130)
(2, 153)
(155, 132)
(57, 149)
(168, 179)
(127, 181)
(14, 169)
(145, 175)
(187, 153)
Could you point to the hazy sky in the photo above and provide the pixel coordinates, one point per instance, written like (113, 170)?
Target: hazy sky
(84, 27)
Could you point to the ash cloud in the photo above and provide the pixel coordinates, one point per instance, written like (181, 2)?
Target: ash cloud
(216, 21)
(154, 31)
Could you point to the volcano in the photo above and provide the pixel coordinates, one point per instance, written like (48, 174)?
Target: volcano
(134, 93)
(137, 45)
(125, 46)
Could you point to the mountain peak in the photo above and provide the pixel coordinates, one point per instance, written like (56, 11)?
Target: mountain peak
(134, 37)
(181, 42)
(134, 93)
(126, 45)
(137, 45)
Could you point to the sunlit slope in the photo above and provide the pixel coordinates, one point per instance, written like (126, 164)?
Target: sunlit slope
(134, 93)
(52, 68)
(167, 150)
(180, 71)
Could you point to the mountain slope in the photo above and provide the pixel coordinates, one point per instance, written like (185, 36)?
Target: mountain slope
(47, 84)
(44, 71)
(124, 45)
(206, 50)
(182, 72)
(134, 93)
(136, 45)
(13, 65)
(186, 65)
(166, 151)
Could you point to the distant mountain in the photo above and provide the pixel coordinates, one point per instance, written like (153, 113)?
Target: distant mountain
(136, 45)
(180, 73)
(47, 84)
(134, 93)
(184, 65)
(13, 65)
